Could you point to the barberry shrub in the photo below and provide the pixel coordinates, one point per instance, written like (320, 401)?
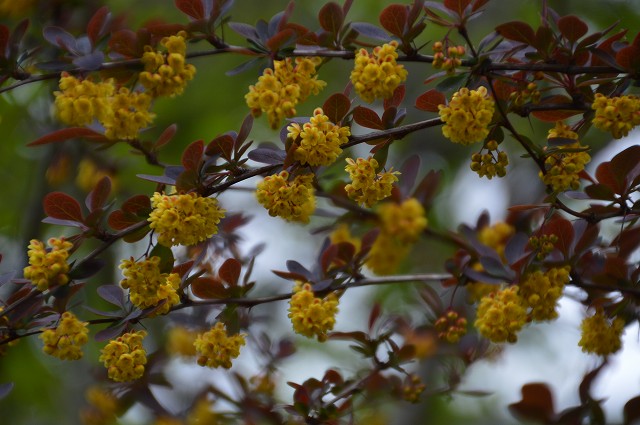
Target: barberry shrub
(166, 181)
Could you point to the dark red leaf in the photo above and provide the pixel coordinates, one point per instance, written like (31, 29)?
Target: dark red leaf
(138, 205)
(230, 271)
(394, 19)
(607, 176)
(629, 58)
(517, 31)
(62, 206)
(208, 288)
(374, 315)
(245, 129)
(626, 165)
(367, 118)
(98, 196)
(97, 24)
(125, 42)
(119, 220)
(572, 27)
(631, 411)
(166, 136)
(336, 107)
(69, 133)
(396, 99)
(559, 114)
(457, 6)
(536, 403)
(563, 229)
(4, 40)
(430, 100)
(192, 8)
(280, 39)
(193, 155)
(331, 17)
(328, 256)
(222, 145)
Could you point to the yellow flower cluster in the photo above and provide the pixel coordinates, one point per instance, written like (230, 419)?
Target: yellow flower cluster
(617, 115)
(65, 341)
(129, 114)
(125, 357)
(601, 335)
(541, 291)
(413, 388)
(543, 244)
(280, 89)
(184, 219)
(81, 101)
(167, 74)
(50, 268)
(121, 112)
(342, 234)
(501, 315)
(310, 315)
(147, 286)
(495, 237)
(376, 75)
(90, 173)
(468, 115)
(563, 166)
(368, 187)
(215, 348)
(452, 59)
(292, 200)
(492, 163)
(180, 341)
(451, 327)
(318, 141)
(400, 227)
(103, 407)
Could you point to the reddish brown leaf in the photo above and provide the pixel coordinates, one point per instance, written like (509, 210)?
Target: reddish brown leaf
(517, 31)
(245, 129)
(331, 17)
(457, 6)
(166, 136)
(556, 114)
(396, 99)
(336, 107)
(119, 220)
(230, 271)
(572, 27)
(192, 8)
(629, 58)
(125, 42)
(631, 411)
(137, 204)
(98, 196)
(280, 39)
(222, 145)
(394, 19)
(183, 269)
(62, 206)
(367, 118)
(68, 133)
(563, 229)
(208, 288)
(536, 403)
(97, 23)
(608, 177)
(430, 100)
(192, 155)
(4, 40)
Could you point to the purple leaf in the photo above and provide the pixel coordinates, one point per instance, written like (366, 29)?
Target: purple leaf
(112, 294)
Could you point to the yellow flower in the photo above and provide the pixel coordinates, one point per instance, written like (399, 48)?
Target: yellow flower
(501, 315)
(202, 414)
(618, 115)
(400, 227)
(468, 115)
(310, 315)
(79, 102)
(601, 335)
(89, 174)
(129, 114)
(541, 291)
(180, 341)
(342, 234)
(292, 200)
(48, 268)
(376, 75)
(216, 348)
(125, 357)
(318, 141)
(451, 327)
(167, 74)
(368, 187)
(148, 287)
(103, 407)
(563, 167)
(184, 219)
(65, 341)
(280, 89)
